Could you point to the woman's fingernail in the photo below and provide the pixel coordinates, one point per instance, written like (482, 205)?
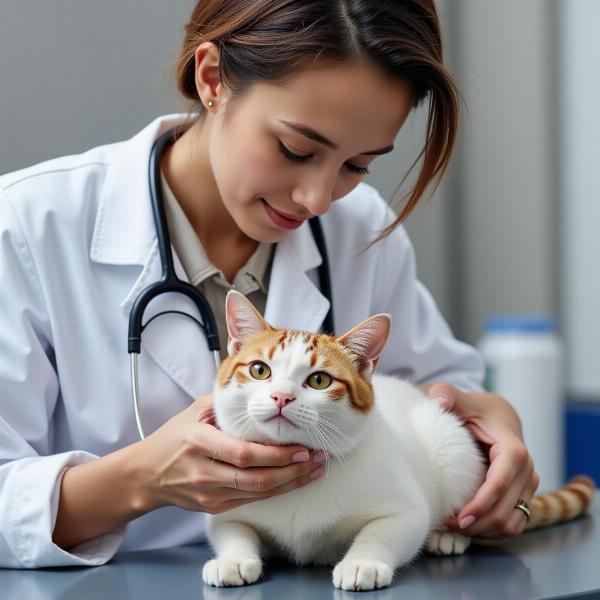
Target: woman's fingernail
(316, 473)
(300, 456)
(442, 401)
(467, 522)
(319, 457)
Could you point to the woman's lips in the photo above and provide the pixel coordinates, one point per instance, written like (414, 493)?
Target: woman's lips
(279, 219)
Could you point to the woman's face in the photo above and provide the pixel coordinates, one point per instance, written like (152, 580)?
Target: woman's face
(286, 152)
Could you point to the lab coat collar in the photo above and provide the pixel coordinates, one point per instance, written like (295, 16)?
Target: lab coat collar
(124, 234)
(124, 230)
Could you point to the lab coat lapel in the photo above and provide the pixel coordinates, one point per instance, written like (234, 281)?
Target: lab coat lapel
(124, 234)
(124, 231)
(175, 343)
(294, 301)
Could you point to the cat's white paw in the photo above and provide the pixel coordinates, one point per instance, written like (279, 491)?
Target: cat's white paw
(224, 572)
(363, 574)
(445, 543)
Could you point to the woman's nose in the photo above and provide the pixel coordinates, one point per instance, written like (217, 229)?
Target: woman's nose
(314, 195)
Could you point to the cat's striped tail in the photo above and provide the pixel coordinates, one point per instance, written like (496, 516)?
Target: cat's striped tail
(572, 500)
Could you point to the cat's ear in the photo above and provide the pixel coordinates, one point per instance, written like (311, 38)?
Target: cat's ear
(242, 320)
(367, 341)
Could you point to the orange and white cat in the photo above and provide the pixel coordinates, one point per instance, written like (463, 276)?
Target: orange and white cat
(398, 465)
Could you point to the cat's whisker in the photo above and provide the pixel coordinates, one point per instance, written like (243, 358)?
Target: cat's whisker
(324, 412)
(324, 415)
(339, 454)
(236, 411)
(320, 442)
(329, 444)
(334, 422)
(340, 458)
(348, 443)
(239, 414)
(335, 427)
(243, 411)
(241, 421)
(249, 424)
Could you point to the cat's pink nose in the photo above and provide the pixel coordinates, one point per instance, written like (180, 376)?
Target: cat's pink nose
(282, 398)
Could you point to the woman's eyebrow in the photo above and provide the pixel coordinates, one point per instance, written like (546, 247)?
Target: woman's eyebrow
(321, 139)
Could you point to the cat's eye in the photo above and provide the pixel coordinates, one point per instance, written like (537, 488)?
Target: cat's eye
(259, 370)
(319, 380)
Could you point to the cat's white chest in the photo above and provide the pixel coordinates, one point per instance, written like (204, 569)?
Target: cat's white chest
(315, 523)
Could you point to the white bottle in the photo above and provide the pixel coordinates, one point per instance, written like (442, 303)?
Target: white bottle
(524, 364)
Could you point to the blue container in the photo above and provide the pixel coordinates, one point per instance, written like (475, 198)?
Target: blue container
(583, 439)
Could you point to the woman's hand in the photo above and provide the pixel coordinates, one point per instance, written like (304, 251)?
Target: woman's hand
(190, 463)
(510, 477)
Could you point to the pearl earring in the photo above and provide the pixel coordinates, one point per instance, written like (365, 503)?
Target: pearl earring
(210, 104)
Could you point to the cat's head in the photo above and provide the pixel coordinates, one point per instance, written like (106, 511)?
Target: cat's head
(290, 387)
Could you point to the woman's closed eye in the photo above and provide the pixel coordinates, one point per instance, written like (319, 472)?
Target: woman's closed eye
(296, 158)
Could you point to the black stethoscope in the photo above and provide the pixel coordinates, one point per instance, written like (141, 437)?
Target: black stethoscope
(169, 282)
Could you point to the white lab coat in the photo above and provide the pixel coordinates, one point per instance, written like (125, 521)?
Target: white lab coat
(77, 245)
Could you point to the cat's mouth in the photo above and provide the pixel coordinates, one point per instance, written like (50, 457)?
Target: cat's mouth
(280, 418)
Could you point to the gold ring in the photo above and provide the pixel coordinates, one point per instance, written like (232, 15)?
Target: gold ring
(235, 481)
(524, 507)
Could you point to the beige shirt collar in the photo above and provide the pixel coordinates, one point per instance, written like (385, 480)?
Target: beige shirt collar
(198, 267)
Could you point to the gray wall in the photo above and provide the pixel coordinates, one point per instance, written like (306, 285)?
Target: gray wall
(78, 73)
(507, 183)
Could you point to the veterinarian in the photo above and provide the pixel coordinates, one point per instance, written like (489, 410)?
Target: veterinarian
(294, 100)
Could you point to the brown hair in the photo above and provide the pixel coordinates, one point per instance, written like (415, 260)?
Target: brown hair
(270, 40)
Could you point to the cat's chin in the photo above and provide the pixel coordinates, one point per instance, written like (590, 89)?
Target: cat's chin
(267, 440)
(271, 442)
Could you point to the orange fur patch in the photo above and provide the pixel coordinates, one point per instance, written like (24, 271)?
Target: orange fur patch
(228, 368)
(360, 392)
(242, 378)
(336, 393)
